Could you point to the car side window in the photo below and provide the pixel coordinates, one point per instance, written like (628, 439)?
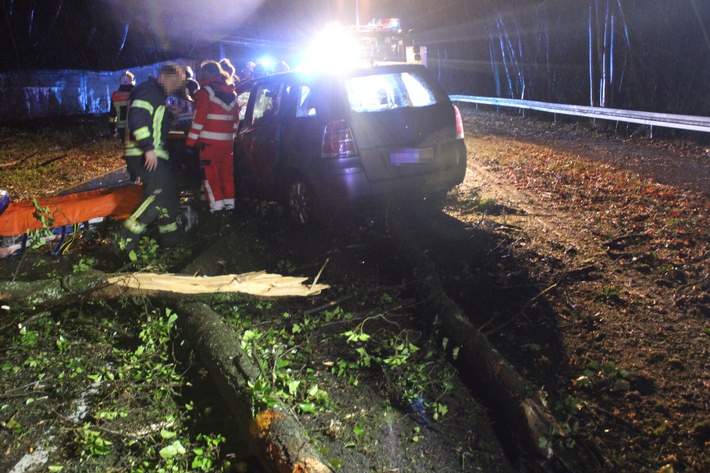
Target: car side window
(288, 99)
(304, 99)
(273, 100)
(311, 102)
(264, 103)
(243, 100)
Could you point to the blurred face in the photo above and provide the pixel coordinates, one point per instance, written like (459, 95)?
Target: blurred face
(172, 83)
(126, 80)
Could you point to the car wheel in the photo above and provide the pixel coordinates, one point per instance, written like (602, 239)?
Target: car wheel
(300, 201)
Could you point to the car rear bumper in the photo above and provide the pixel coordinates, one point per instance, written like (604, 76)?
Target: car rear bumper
(348, 183)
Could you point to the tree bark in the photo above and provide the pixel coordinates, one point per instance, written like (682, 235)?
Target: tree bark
(48, 293)
(528, 417)
(274, 435)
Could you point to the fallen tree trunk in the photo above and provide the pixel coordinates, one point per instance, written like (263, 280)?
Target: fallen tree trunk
(57, 292)
(527, 415)
(274, 435)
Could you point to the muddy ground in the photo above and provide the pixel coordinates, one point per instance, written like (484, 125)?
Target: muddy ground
(612, 233)
(581, 253)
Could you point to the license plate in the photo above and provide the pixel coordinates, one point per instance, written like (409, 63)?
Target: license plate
(405, 156)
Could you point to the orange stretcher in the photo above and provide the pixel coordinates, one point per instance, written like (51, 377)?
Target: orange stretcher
(117, 203)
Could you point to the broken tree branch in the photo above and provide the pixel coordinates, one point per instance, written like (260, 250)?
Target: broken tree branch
(57, 292)
(51, 160)
(17, 162)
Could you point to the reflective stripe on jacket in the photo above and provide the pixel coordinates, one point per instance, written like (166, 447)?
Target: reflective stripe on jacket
(216, 116)
(147, 121)
(119, 107)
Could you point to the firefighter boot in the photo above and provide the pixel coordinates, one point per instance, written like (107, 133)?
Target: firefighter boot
(171, 235)
(129, 235)
(125, 241)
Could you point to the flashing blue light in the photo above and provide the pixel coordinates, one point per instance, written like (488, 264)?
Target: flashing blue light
(266, 61)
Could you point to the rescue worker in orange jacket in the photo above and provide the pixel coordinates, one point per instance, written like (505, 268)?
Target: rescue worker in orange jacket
(119, 105)
(146, 157)
(212, 132)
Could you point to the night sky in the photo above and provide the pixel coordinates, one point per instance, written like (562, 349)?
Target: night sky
(113, 34)
(643, 54)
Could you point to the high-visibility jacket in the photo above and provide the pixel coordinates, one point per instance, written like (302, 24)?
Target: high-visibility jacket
(119, 106)
(216, 116)
(148, 121)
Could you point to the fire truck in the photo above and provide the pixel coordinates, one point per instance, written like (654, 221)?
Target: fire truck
(384, 40)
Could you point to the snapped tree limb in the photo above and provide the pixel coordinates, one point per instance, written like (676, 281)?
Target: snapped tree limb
(57, 292)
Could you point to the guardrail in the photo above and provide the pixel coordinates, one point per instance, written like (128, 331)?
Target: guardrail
(681, 122)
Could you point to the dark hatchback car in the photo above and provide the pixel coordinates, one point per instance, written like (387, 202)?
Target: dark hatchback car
(321, 141)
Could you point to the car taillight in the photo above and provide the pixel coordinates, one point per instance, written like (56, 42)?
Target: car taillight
(459, 123)
(338, 140)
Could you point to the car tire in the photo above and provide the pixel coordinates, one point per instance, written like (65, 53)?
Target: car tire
(300, 201)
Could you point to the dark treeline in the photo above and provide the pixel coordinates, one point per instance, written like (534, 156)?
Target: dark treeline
(651, 55)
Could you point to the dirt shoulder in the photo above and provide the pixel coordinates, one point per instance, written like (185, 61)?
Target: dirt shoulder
(613, 235)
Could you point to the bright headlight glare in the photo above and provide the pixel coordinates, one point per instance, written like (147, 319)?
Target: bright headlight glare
(333, 48)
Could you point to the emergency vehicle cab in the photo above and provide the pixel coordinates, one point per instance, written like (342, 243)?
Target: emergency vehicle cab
(384, 40)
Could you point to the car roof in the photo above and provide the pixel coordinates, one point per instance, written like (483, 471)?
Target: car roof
(243, 86)
(350, 72)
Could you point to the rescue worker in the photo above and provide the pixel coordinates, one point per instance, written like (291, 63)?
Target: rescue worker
(192, 86)
(229, 68)
(212, 133)
(259, 70)
(247, 71)
(119, 105)
(281, 66)
(148, 126)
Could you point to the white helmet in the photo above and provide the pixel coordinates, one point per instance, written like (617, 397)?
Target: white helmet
(127, 78)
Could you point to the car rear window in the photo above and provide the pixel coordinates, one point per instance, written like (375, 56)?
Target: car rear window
(387, 91)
